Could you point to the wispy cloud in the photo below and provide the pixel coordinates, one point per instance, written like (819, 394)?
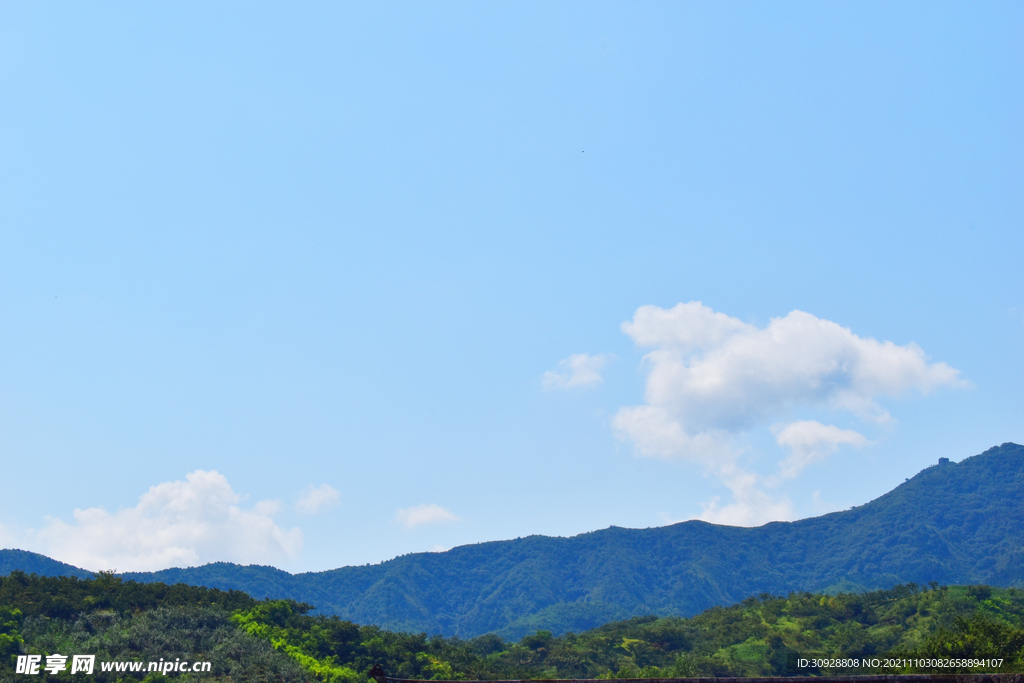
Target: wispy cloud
(175, 524)
(580, 370)
(314, 499)
(810, 441)
(423, 514)
(751, 504)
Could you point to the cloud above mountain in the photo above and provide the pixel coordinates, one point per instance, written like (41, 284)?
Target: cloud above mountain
(809, 441)
(712, 378)
(175, 524)
(417, 515)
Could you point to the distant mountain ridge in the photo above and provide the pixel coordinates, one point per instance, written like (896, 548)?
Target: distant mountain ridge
(34, 563)
(953, 523)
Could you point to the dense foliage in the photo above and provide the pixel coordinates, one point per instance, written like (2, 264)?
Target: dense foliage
(124, 620)
(759, 637)
(245, 639)
(63, 597)
(193, 634)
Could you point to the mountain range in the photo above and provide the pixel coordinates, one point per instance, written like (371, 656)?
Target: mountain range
(953, 523)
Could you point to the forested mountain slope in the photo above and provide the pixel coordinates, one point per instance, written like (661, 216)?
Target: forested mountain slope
(129, 627)
(953, 523)
(34, 563)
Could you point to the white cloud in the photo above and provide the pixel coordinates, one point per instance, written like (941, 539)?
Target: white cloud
(709, 373)
(578, 370)
(751, 506)
(176, 523)
(423, 514)
(712, 377)
(686, 326)
(810, 441)
(314, 499)
(656, 432)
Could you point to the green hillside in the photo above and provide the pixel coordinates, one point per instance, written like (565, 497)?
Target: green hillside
(244, 639)
(34, 563)
(764, 636)
(953, 523)
(123, 621)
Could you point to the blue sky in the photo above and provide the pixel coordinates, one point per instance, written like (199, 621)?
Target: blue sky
(323, 285)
